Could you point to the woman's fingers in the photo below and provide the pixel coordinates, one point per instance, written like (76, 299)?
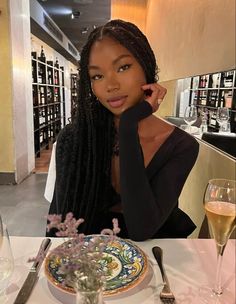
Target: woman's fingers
(156, 94)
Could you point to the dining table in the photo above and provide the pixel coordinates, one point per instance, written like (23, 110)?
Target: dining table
(189, 263)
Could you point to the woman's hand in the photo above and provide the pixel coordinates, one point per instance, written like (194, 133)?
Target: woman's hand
(154, 94)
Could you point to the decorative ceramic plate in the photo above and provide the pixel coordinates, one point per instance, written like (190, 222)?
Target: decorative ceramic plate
(127, 264)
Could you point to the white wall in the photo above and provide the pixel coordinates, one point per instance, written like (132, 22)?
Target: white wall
(21, 88)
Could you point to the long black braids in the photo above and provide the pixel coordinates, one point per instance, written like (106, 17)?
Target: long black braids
(88, 178)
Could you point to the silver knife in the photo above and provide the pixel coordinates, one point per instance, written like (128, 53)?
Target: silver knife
(32, 277)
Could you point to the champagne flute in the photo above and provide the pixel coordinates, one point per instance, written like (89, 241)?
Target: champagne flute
(190, 116)
(220, 208)
(6, 260)
(222, 117)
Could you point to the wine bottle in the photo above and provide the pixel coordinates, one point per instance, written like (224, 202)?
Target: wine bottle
(218, 81)
(42, 55)
(56, 63)
(42, 96)
(228, 80)
(50, 76)
(56, 77)
(222, 99)
(41, 138)
(228, 99)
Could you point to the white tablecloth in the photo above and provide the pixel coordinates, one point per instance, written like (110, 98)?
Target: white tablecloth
(51, 178)
(190, 263)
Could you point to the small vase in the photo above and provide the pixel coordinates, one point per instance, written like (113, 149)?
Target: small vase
(89, 297)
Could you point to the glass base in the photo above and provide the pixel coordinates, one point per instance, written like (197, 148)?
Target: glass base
(89, 297)
(208, 296)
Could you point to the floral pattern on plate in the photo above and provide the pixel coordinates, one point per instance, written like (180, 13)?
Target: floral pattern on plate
(126, 262)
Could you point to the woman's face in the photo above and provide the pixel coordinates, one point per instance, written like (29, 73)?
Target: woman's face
(116, 76)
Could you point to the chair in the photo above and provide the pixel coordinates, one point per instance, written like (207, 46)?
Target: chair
(225, 142)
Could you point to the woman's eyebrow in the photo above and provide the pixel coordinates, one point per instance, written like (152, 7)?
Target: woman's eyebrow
(95, 67)
(120, 57)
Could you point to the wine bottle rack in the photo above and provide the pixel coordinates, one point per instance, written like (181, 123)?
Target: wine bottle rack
(211, 91)
(48, 100)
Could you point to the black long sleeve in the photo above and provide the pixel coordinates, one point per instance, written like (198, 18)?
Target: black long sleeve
(150, 195)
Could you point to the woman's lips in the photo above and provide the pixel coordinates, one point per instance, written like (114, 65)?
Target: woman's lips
(117, 102)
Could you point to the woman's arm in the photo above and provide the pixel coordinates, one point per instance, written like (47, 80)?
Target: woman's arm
(147, 204)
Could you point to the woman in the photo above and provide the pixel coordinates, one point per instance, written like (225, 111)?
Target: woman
(117, 159)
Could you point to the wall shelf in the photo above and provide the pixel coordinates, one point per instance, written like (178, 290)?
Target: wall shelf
(74, 92)
(48, 100)
(211, 91)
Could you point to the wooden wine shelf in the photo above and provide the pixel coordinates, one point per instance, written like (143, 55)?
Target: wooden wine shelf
(211, 91)
(48, 101)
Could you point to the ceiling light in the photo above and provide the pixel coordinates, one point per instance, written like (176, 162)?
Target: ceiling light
(75, 15)
(84, 30)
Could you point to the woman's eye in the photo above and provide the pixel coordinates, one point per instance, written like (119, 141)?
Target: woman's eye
(96, 77)
(124, 67)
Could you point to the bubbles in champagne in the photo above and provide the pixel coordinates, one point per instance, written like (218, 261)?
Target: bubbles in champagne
(221, 218)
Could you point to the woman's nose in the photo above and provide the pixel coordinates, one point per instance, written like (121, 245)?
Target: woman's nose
(112, 83)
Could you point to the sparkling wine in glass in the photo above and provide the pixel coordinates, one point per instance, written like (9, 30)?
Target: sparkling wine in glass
(6, 260)
(222, 117)
(190, 116)
(220, 208)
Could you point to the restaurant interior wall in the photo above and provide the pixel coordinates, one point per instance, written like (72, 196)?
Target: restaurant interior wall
(133, 11)
(192, 37)
(6, 111)
(16, 121)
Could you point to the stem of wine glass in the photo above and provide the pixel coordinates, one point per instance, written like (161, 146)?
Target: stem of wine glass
(189, 127)
(217, 287)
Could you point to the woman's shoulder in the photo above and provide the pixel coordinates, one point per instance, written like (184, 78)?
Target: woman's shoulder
(185, 141)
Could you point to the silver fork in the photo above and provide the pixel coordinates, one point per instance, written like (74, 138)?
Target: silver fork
(166, 295)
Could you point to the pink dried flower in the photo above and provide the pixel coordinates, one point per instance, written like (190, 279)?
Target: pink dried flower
(68, 228)
(80, 256)
(54, 220)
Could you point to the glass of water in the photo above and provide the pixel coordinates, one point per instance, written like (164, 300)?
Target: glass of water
(6, 260)
(190, 116)
(222, 117)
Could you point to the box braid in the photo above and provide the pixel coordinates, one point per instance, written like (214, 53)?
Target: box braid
(93, 140)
